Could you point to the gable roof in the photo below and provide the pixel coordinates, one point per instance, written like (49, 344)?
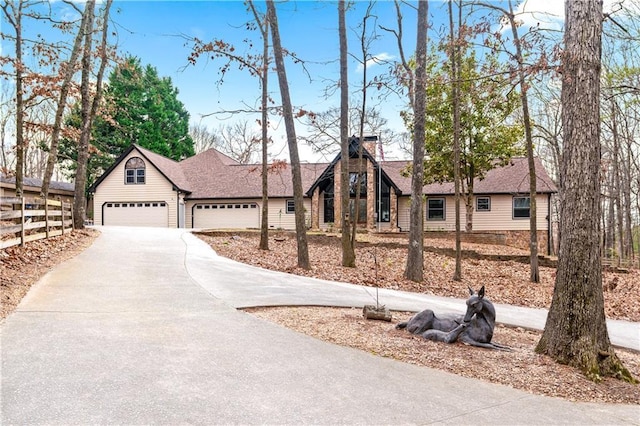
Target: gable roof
(212, 174)
(510, 179)
(353, 153)
(169, 168)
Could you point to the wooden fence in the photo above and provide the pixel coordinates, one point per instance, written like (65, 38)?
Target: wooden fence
(24, 219)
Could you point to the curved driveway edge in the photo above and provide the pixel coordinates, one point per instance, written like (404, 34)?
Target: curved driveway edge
(141, 328)
(244, 286)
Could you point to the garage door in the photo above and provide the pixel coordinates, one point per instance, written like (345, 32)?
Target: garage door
(226, 216)
(136, 214)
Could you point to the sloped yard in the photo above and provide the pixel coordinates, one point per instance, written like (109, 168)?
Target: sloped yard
(506, 281)
(502, 270)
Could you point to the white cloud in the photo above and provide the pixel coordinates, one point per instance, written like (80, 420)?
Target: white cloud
(548, 14)
(376, 60)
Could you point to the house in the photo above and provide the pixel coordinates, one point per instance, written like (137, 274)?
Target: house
(31, 187)
(211, 190)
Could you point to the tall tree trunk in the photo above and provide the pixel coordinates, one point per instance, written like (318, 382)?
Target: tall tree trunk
(301, 231)
(415, 254)
(626, 195)
(13, 11)
(455, 86)
(69, 71)
(616, 181)
(576, 332)
(348, 251)
(534, 275)
(264, 79)
(264, 225)
(610, 220)
(80, 201)
(89, 107)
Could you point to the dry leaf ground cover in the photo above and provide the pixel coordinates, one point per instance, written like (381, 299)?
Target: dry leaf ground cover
(506, 281)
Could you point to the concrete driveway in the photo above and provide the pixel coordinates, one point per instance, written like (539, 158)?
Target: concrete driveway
(141, 328)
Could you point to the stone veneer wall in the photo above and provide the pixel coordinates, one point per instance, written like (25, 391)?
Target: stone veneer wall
(518, 239)
(371, 197)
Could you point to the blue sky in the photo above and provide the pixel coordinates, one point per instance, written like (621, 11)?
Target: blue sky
(153, 31)
(158, 31)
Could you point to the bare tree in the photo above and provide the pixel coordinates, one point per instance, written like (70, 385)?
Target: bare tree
(14, 12)
(413, 79)
(415, 256)
(263, 26)
(6, 113)
(296, 175)
(534, 275)
(323, 133)
(239, 141)
(348, 250)
(576, 331)
(454, 57)
(258, 66)
(203, 138)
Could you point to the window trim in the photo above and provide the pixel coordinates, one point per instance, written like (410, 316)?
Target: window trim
(513, 207)
(135, 171)
(483, 197)
(444, 209)
(290, 208)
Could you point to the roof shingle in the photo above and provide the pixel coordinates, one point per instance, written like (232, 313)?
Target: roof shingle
(212, 174)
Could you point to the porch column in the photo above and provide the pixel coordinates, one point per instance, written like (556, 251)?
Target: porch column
(393, 207)
(315, 208)
(371, 196)
(337, 198)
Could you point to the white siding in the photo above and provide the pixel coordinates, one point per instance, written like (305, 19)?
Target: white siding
(155, 189)
(280, 219)
(499, 218)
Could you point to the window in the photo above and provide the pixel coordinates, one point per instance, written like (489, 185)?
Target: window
(291, 207)
(483, 204)
(435, 209)
(383, 207)
(362, 210)
(134, 171)
(353, 184)
(521, 207)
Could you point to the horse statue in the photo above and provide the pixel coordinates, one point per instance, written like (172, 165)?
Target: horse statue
(474, 328)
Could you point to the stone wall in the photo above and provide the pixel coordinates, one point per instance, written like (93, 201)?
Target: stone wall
(518, 239)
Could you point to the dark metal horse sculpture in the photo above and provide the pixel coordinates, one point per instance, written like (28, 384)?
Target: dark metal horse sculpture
(474, 328)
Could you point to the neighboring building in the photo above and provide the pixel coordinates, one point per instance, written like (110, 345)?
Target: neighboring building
(211, 190)
(31, 187)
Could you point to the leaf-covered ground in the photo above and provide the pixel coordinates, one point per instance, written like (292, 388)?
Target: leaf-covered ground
(381, 262)
(21, 267)
(506, 281)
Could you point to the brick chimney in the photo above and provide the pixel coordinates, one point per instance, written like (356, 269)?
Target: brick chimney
(370, 144)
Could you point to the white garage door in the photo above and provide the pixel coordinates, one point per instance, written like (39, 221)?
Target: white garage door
(226, 216)
(154, 213)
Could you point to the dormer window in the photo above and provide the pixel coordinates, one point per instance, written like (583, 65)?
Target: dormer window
(134, 171)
